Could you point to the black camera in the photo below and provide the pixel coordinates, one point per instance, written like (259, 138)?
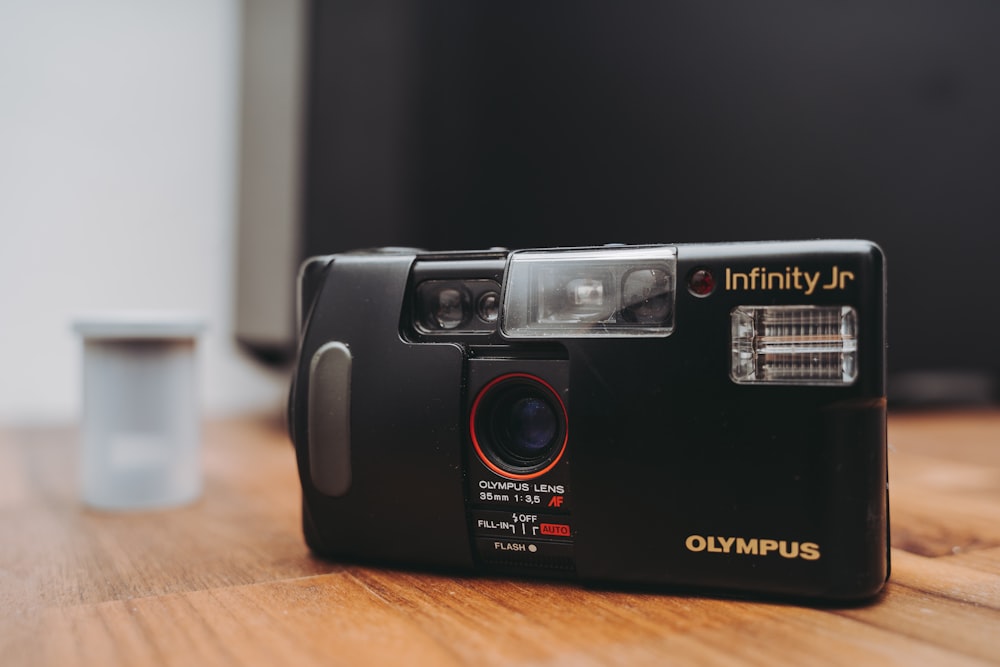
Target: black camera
(706, 416)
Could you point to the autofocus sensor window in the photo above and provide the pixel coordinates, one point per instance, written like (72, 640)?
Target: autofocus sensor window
(518, 426)
(442, 305)
(456, 306)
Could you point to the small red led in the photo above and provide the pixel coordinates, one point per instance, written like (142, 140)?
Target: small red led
(701, 282)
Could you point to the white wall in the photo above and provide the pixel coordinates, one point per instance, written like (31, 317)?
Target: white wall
(117, 177)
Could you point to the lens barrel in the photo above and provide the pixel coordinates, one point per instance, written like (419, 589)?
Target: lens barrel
(519, 426)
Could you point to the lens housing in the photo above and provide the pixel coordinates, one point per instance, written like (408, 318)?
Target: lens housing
(518, 425)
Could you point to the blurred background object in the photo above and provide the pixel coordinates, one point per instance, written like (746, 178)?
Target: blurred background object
(140, 440)
(118, 145)
(130, 133)
(472, 124)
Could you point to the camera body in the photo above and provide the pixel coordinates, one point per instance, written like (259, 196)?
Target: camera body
(706, 416)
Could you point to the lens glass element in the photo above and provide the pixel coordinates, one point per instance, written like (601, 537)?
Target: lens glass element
(531, 425)
(448, 311)
(443, 305)
(647, 296)
(518, 426)
(567, 297)
(488, 307)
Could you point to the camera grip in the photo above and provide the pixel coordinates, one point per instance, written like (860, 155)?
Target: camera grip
(329, 425)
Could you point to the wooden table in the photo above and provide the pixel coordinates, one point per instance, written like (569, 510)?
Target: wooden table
(229, 580)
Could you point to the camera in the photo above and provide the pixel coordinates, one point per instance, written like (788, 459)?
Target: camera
(689, 416)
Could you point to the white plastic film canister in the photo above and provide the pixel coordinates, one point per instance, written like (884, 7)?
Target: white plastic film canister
(141, 433)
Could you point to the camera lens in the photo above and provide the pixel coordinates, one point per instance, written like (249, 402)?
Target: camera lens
(528, 427)
(519, 426)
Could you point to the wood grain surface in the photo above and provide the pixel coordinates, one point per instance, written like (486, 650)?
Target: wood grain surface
(229, 580)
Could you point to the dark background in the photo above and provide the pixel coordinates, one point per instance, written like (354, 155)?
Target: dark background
(466, 124)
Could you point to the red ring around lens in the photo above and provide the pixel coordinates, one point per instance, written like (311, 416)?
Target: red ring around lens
(475, 439)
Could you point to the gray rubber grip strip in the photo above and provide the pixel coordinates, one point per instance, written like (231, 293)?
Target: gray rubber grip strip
(330, 419)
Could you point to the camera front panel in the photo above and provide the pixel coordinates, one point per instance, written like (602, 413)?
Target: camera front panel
(519, 489)
(685, 476)
(720, 424)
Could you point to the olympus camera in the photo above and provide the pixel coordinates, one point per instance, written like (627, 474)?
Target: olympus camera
(707, 416)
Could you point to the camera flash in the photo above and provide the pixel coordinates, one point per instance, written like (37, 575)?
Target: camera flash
(808, 345)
